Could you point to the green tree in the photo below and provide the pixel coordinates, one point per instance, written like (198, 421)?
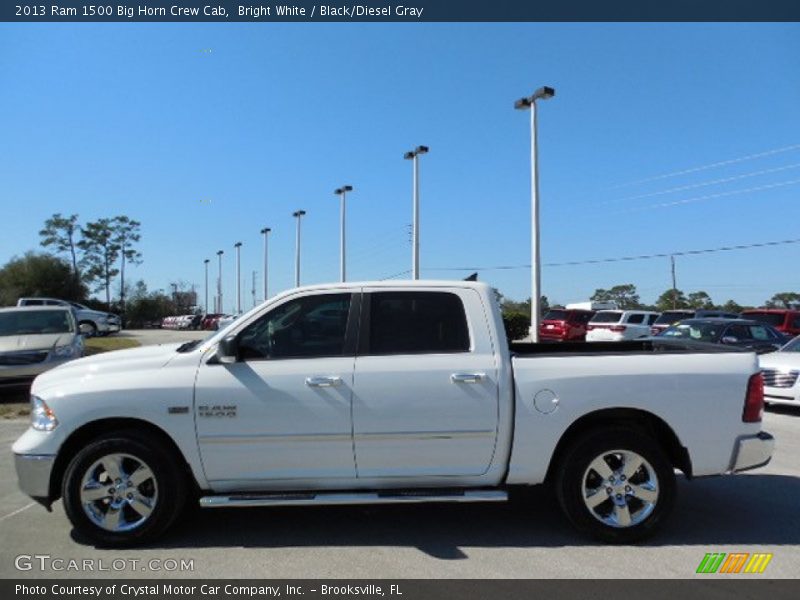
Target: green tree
(100, 253)
(38, 275)
(700, 301)
(671, 300)
(731, 306)
(625, 296)
(125, 233)
(783, 300)
(60, 232)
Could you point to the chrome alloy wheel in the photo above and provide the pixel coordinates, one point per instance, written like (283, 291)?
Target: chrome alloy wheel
(118, 492)
(620, 488)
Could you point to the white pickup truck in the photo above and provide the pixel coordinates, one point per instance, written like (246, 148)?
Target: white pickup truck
(379, 393)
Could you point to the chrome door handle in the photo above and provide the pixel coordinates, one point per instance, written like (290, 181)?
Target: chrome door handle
(323, 381)
(467, 377)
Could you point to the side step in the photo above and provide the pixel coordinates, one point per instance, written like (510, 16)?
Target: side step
(334, 498)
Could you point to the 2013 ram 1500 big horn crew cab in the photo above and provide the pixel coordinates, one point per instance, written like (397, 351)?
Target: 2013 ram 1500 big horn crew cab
(378, 393)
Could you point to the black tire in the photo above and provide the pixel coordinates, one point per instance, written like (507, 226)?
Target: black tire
(167, 488)
(645, 517)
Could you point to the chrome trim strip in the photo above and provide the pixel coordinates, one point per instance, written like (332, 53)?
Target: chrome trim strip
(327, 499)
(335, 437)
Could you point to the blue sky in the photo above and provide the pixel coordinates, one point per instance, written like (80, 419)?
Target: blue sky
(207, 133)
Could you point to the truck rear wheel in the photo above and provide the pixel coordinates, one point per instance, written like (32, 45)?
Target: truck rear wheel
(616, 485)
(124, 488)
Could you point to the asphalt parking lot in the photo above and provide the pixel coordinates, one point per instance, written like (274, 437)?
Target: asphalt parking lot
(526, 538)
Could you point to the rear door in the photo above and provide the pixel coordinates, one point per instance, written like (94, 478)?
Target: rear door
(425, 394)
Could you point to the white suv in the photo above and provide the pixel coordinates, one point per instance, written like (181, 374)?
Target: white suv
(617, 325)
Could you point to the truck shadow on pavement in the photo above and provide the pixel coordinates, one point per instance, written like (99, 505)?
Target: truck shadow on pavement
(743, 510)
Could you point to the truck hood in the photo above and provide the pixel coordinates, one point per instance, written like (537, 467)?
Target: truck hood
(40, 341)
(109, 363)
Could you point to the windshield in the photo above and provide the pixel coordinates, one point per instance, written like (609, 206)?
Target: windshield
(774, 319)
(793, 346)
(607, 316)
(669, 317)
(703, 332)
(556, 315)
(32, 322)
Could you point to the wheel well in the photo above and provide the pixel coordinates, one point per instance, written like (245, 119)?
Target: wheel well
(639, 420)
(85, 434)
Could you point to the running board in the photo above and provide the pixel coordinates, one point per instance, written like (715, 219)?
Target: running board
(331, 498)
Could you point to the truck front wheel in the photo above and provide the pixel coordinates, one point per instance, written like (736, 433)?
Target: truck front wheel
(124, 488)
(616, 485)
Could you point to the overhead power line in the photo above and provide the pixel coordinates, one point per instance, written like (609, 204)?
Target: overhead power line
(594, 261)
(758, 188)
(709, 166)
(704, 184)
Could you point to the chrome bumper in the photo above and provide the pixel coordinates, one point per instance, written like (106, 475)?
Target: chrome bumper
(753, 451)
(33, 474)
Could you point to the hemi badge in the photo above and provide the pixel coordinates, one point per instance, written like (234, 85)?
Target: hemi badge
(178, 410)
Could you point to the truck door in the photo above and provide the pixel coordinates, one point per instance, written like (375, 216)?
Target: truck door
(425, 399)
(282, 411)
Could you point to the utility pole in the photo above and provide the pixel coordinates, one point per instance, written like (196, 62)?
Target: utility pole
(238, 246)
(205, 304)
(253, 291)
(413, 155)
(674, 285)
(342, 193)
(543, 93)
(219, 281)
(298, 214)
(265, 233)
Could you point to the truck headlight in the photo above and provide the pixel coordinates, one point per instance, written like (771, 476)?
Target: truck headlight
(42, 416)
(64, 351)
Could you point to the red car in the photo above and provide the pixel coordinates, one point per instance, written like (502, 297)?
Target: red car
(564, 325)
(210, 321)
(783, 319)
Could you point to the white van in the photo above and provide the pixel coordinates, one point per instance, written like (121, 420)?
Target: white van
(618, 325)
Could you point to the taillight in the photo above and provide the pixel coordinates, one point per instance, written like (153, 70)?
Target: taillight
(754, 401)
(654, 330)
(618, 328)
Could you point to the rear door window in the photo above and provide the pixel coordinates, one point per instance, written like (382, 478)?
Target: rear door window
(416, 323)
(635, 319)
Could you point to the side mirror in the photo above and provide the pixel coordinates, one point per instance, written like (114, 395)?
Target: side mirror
(729, 339)
(228, 350)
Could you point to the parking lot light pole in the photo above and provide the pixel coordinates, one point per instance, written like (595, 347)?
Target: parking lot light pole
(265, 233)
(543, 93)
(413, 155)
(205, 305)
(298, 214)
(219, 281)
(342, 193)
(238, 246)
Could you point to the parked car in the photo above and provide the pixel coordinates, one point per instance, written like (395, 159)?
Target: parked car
(209, 321)
(563, 325)
(617, 325)
(670, 317)
(34, 339)
(415, 397)
(91, 322)
(753, 335)
(784, 320)
(225, 320)
(780, 370)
